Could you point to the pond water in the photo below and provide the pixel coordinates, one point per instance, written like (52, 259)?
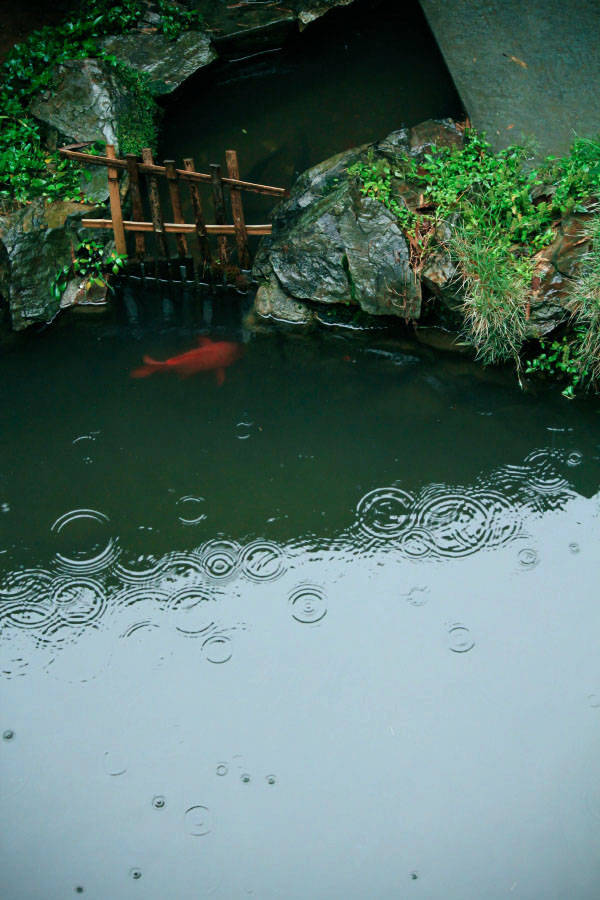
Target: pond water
(327, 630)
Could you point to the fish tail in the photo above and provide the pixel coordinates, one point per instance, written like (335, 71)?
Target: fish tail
(150, 366)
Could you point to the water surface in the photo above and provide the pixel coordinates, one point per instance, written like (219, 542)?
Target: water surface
(329, 630)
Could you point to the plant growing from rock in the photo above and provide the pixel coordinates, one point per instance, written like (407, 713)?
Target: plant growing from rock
(503, 209)
(92, 263)
(27, 169)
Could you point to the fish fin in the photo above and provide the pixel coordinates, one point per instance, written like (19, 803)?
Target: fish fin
(220, 375)
(204, 341)
(151, 362)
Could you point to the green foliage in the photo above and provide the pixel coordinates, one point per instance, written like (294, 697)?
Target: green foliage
(92, 264)
(495, 284)
(502, 190)
(506, 211)
(585, 303)
(375, 177)
(27, 170)
(557, 360)
(576, 357)
(136, 128)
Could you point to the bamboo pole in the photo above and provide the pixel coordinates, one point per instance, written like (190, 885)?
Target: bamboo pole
(149, 168)
(176, 205)
(154, 197)
(219, 203)
(199, 216)
(136, 202)
(176, 228)
(115, 204)
(237, 209)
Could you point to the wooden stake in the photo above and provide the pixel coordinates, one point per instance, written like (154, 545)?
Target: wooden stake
(199, 216)
(219, 202)
(154, 197)
(136, 202)
(176, 204)
(241, 236)
(115, 204)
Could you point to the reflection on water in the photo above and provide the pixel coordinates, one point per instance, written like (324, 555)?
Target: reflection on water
(353, 654)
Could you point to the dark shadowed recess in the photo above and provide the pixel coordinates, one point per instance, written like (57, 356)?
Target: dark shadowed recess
(349, 78)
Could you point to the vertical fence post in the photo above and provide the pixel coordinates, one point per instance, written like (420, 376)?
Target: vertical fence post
(115, 203)
(241, 235)
(154, 197)
(219, 202)
(176, 205)
(136, 201)
(199, 216)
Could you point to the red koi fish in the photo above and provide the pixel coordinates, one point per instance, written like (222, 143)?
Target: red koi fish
(207, 356)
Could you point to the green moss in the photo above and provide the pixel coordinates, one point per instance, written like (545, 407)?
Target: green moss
(137, 125)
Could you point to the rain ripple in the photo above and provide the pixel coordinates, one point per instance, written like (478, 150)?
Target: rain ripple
(85, 545)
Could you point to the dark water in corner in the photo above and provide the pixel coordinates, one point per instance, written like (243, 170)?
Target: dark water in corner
(328, 631)
(350, 78)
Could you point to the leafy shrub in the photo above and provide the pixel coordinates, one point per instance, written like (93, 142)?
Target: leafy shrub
(92, 263)
(506, 210)
(27, 170)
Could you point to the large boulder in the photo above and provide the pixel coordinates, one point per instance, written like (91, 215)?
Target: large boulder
(85, 103)
(36, 241)
(167, 62)
(332, 244)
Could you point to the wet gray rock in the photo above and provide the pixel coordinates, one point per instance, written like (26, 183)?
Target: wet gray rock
(85, 102)
(313, 9)
(168, 63)
(331, 244)
(272, 302)
(35, 243)
(555, 268)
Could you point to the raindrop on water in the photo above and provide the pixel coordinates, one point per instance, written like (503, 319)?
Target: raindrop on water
(135, 873)
(8, 735)
(308, 604)
(574, 547)
(198, 820)
(528, 558)
(79, 889)
(262, 561)
(219, 559)
(5, 507)
(218, 649)
(575, 458)
(413, 876)
(191, 510)
(384, 512)
(159, 802)
(460, 638)
(222, 769)
(271, 779)
(113, 763)
(417, 596)
(84, 542)
(246, 778)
